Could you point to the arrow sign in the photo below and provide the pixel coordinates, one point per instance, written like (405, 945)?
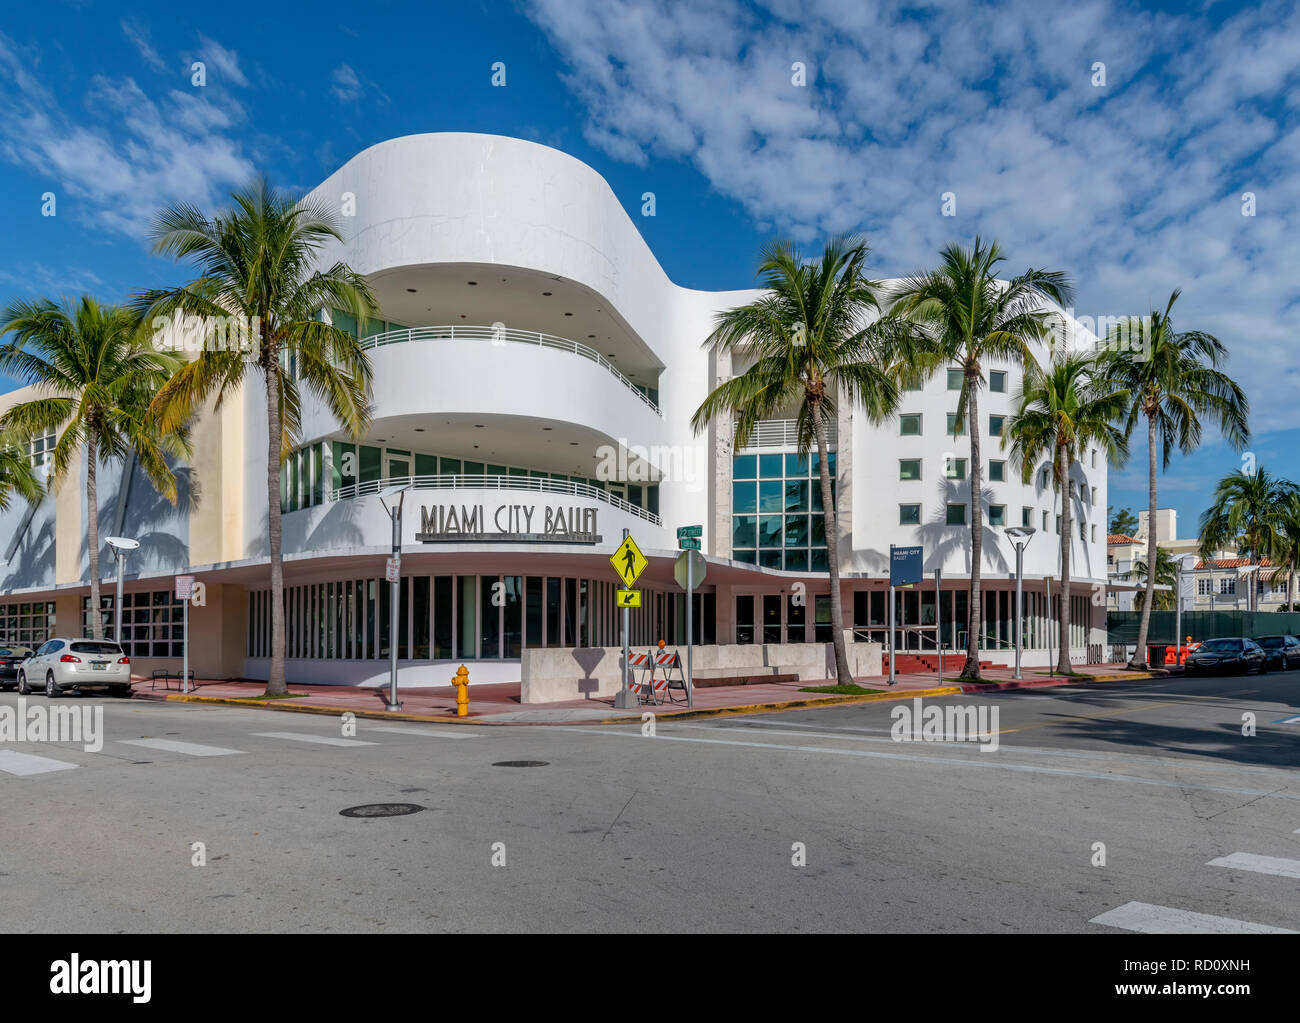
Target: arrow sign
(628, 562)
(627, 598)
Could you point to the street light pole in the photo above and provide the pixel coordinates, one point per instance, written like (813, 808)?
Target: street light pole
(121, 546)
(395, 594)
(1020, 536)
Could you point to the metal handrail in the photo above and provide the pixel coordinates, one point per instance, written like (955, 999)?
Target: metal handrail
(502, 335)
(473, 481)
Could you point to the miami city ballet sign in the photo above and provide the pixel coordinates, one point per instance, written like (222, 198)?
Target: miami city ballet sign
(507, 523)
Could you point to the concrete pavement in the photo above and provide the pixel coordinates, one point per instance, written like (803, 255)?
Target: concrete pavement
(698, 828)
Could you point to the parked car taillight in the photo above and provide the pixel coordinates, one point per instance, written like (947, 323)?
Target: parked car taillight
(124, 660)
(69, 659)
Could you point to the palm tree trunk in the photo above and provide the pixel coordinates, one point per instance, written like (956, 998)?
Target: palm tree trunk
(842, 673)
(971, 669)
(275, 685)
(92, 533)
(1140, 654)
(1063, 657)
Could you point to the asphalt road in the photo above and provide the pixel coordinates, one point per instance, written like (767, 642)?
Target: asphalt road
(694, 829)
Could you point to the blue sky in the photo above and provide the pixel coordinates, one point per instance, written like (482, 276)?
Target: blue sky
(1134, 186)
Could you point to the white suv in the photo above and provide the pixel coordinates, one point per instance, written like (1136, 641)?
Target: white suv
(82, 664)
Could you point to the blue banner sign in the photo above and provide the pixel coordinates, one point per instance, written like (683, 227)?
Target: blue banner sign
(905, 565)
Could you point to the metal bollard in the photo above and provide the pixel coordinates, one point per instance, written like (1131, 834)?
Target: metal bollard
(461, 682)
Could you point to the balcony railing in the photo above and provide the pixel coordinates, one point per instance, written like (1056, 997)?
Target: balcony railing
(506, 335)
(476, 482)
(783, 433)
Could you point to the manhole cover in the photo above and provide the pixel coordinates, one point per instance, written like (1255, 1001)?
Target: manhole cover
(381, 810)
(522, 763)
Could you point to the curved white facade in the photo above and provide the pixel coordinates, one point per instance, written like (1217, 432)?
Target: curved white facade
(535, 368)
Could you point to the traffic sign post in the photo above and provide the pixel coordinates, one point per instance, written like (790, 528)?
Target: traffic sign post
(629, 563)
(689, 571)
(184, 592)
(904, 570)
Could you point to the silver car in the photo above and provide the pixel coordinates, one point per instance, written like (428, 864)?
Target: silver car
(82, 664)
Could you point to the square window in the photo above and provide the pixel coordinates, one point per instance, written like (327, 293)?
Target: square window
(954, 468)
(997, 472)
(995, 425)
(796, 465)
(909, 425)
(769, 559)
(743, 531)
(956, 515)
(909, 468)
(796, 530)
(998, 381)
(997, 515)
(796, 496)
(771, 496)
(955, 379)
(796, 561)
(744, 467)
(819, 562)
(769, 466)
(747, 556)
(952, 425)
(909, 514)
(744, 497)
(769, 531)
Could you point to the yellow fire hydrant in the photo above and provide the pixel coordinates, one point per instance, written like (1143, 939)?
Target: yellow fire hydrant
(461, 682)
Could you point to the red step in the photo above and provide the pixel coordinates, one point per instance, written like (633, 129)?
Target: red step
(915, 664)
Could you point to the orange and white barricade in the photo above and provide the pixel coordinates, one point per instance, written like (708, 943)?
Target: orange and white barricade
(668, 674)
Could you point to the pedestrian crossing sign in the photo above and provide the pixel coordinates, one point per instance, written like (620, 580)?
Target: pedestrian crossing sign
(628, 562)
(628, 598)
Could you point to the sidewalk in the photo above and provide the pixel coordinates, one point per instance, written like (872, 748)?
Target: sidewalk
(498, 703)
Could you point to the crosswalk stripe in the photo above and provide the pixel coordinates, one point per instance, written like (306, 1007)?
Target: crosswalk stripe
(1259, 864)
(449, 733)
(323, 740)
(13, 762)
(192, 749)
(1149, 919)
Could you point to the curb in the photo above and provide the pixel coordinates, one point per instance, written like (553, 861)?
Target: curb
(383, 715)
(1127, 676)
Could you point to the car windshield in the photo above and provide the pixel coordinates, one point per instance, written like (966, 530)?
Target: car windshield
(96, 648)
(1222, 646)
(1269, 642)
(7, 652)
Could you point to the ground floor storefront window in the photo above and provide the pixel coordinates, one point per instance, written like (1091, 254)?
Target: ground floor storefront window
(467, 617)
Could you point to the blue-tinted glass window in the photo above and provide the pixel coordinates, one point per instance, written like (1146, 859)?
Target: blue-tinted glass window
(743, 531)
(796, 465)
(796, 530)
(744, 497)
(744, 467)
(769, 466)
(769, 531)
(796, 495)
(771, 496)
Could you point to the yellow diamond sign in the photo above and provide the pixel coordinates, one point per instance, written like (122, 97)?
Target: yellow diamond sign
(628, 562)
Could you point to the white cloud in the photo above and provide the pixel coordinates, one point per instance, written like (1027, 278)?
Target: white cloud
(1134, 188)
(139, 151)
(140, 40)
(347, 85)
(225, 61)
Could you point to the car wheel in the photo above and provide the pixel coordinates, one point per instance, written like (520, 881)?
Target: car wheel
(51, 690)
(22, 685)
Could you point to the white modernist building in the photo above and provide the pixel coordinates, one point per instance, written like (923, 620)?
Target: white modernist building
(535, 374)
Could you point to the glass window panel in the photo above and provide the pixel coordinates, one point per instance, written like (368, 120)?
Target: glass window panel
(796, 465)
(909, 469)
(769, 531)
(744, 497)
(909, 514)
(997, 472)
(796, 561)
(744, 467)
(796, 495)
(909, 425)
(955, 379)
(769, 466)
(769, 559)
(997, 515)
(956, 515)
(449, 466)
(743, 531)
(770, 496)
(796, 530)
(998, 381)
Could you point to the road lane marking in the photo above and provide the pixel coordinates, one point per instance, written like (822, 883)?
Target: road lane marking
(458, 732)
(13, 762)
(1258, 864)
(1167, 760)
(989, 762)
(323, 740)
(192, 749)
(1149, 919)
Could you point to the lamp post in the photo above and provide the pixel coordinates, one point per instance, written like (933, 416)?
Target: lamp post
(122, 546)
(1182, 560)
(394, 573)
(1020, 536)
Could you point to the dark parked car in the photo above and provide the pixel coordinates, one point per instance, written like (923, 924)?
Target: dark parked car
(1281, 651)
(1226, 656)
(10, 658)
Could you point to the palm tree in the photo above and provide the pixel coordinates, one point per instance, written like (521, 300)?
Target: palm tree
(1248, 511)
(1166, 574)
(968, 317)
(810, 342)
(1173, 379)
(97, 372)
(257, 261)
(1286, 560)
(1061, 410)
(17, 475)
